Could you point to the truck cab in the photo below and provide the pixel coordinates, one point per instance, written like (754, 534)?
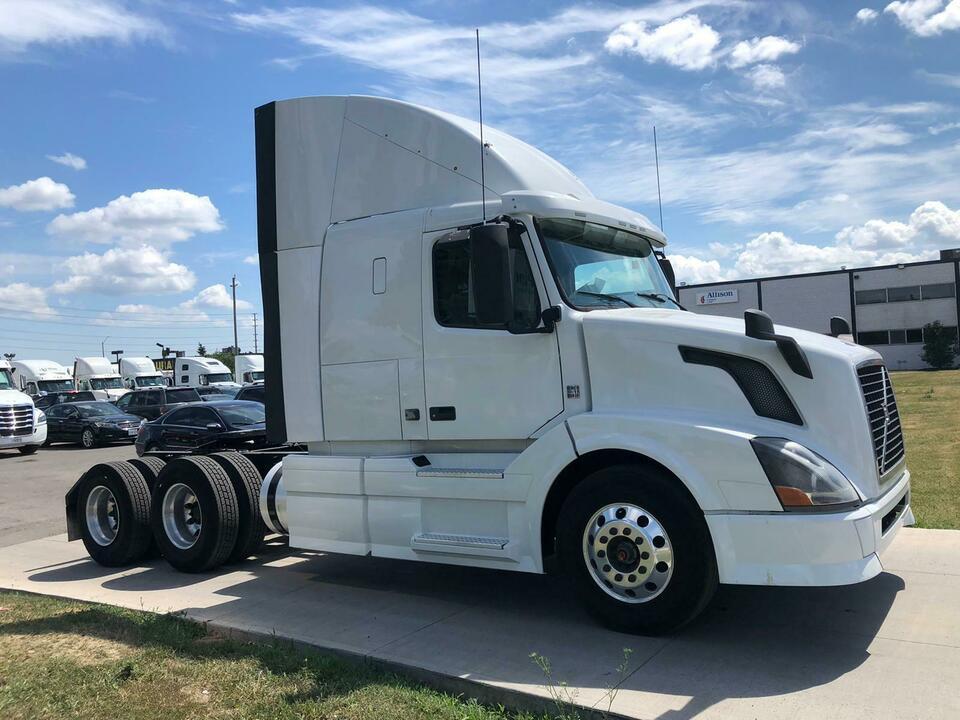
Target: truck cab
(22, 426)
(40, 377)
(140, 372)
(99, 376)
(248, 368)
(204, 371)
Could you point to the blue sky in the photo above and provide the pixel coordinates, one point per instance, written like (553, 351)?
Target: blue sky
(793, 136)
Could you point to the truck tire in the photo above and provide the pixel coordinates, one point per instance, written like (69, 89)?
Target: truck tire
(194, 514)
(28, 449)
(150, 468)
(246, 484)
(113, 507)
(637, 549)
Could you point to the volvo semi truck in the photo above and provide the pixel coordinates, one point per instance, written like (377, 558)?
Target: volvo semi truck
(486, 365)
(22, 426)
(99, 376)
(248, 368)
(140, 372)
(41, 377)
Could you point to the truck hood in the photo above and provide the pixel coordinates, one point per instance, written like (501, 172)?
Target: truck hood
(636, 366)
(14, 397)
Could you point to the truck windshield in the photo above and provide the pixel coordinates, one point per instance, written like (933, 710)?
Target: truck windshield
(151, 381)
(55, 386)
(597, 266)
(255, 375)
(6, 380)
(106, 383)
(218, 377)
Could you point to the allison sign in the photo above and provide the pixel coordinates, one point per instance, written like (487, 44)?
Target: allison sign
(716, 297)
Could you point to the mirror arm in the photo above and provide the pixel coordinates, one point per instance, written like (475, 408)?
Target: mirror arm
(549, 317)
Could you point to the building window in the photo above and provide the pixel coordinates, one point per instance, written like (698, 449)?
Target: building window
(951, 331)
(873, 337)
(898, 337)
(871, 297)
(903, 294)
(938, 290)
(914, 335)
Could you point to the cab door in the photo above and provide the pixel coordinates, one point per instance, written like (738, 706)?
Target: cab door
(484, 382)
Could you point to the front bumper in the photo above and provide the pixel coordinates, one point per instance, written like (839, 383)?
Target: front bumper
(37, 437)
(110, 434)
(814, 549)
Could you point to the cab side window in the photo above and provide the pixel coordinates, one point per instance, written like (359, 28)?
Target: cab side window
(453, 294)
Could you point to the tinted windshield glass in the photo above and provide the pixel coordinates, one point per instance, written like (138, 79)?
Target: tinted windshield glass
(178, 396)
(241, 415)
(218, 377)
(6, 381)
(106, 383)
(97, 409)
(155, 381)
(52, 386)
(591, 261)
(255, 375)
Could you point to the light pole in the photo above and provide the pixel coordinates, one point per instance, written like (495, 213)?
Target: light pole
(233, 285)
(102, 352)
(116, 354)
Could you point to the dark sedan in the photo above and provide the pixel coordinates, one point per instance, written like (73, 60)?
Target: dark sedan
(45, 401)
(215, 425)
(90, 423)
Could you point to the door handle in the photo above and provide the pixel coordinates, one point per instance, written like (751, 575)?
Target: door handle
(443, 412)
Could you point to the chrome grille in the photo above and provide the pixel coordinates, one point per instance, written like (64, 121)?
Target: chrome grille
(16, 420)
(883, 415)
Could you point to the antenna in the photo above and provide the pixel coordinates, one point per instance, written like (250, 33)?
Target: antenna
(483, 180)
(656, 155)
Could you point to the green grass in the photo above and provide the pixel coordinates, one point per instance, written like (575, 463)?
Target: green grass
(63, 659)
(929, 404)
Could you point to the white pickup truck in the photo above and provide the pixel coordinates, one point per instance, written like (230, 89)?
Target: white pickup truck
(491, 383)
(22, 426)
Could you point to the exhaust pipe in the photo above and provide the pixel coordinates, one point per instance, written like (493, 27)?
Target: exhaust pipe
(273, 500)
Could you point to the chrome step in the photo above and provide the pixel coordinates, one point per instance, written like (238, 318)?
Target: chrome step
(460, 472)
(443, 542)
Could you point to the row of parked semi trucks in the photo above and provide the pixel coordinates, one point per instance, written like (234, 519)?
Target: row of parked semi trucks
(23, 425)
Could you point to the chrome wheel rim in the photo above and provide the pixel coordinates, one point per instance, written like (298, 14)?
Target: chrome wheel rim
(103, 516)
(628, 553)
(182, 519)
(87, 438)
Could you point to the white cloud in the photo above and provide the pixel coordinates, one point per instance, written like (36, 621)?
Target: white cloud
(214, 297)
(766, 49)
(926, 17)
(24, 297)
(120, 271)
(252, 259)
(29, 22)
(766, 77)
(686, 42)
(692, 270)
(70, 160)
(940, 78)
(40, 194)
(867, 15)
(157, 217)
(945, 127)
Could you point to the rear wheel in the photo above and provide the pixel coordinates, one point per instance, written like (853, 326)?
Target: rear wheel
(194, 514)
(149, 468)
(637, 549)
(246, 482)
(113, 505)
(88, 439)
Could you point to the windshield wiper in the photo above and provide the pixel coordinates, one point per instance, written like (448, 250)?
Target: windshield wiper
(605, 296)
(660, 297)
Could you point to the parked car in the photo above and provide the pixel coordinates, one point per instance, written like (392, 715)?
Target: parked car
(252, 392)
(216, 425)
(151, 404)
(215, 392)
(90, 423)
(45, 401)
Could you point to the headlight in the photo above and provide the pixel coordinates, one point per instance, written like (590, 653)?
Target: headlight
(41, 418)
(801, 478)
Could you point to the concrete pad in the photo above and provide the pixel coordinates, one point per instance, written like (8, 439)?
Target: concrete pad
(886, 648)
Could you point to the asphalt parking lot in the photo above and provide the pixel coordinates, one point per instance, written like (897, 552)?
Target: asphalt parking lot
(32, 487)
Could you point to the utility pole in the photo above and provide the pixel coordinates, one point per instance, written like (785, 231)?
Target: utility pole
(102, 353)
(233, 286)
(256, 348)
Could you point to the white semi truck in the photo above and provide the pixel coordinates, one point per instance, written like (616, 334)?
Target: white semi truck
(248, 368)
(99, 376)
(201, 371)
(41, 377)
(491, 383)
(140, 372)
(22, 426)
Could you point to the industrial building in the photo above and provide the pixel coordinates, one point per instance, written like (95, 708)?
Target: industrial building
(887, 306)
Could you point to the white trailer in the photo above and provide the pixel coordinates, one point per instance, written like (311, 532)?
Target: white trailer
(489, 384)
(248, 368)
(139, 372)
(22, 426)
(201, 371)
(41, 377)
(99, 376)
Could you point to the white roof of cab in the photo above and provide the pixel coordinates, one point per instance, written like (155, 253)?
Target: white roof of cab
(95, 366)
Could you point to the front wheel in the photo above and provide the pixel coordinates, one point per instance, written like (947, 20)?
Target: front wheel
(28, 449)
(88, 439)
(637, 549)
